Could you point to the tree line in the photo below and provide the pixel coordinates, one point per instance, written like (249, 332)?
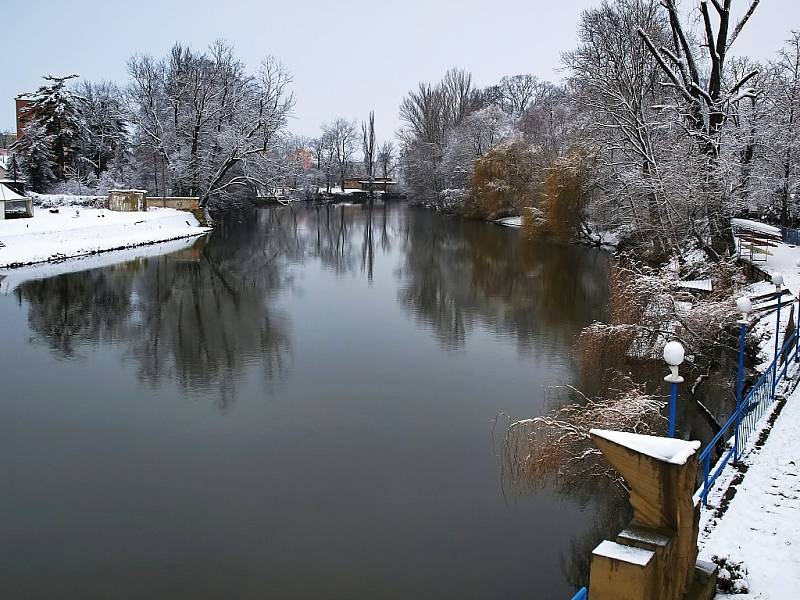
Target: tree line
(188, 124)
(658, 132)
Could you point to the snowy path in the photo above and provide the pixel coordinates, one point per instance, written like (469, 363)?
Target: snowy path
(784, 259)
(762, 524)
(79, 232)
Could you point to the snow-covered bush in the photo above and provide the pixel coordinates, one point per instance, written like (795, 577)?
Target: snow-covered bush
(452, 199)
(59, 200)
(732, 576)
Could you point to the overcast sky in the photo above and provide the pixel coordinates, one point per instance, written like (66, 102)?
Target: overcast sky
(346, 56)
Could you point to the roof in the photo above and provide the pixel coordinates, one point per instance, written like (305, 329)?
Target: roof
(701, 285)
(755, 226)
(6, 193)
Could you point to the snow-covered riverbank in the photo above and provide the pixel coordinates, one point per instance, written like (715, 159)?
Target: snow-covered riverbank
(760, 529)
(80, 231)
(11, 278)
(753, 525)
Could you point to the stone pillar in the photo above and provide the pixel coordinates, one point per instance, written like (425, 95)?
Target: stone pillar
(127, 200)
(655, 558)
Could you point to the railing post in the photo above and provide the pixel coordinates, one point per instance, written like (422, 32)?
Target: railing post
(777, 280)
(797, 327)
(745, 306)
(673, 402)
(739, 386)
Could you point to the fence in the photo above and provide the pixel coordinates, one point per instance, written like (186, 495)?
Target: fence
(734, 434)
(791, 236)
(742, 423)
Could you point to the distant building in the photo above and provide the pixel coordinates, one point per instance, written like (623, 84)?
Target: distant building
(379, 184)
(6, 139)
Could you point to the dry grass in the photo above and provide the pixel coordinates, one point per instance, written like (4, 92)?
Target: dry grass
(557, 448)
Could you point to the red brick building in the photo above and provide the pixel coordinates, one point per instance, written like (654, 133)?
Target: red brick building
(22, 118)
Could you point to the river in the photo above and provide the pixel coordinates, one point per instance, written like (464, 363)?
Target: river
(297, 407)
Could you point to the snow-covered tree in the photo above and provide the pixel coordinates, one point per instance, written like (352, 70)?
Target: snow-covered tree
(50, 142)
(105, 136)
(386, 158)
(203, 126)
(614, 82)
(343, 139)
(781, 128)
(34, 153)
(695, 72)
(430, 113)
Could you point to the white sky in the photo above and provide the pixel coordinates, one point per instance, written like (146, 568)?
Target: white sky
(347, 56)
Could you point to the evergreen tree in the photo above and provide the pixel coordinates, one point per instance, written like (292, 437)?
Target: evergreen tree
(55, 120)
(34, 154)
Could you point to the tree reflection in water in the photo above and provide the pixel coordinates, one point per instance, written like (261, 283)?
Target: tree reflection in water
(203, 316)
(457, 275)
(198, 316)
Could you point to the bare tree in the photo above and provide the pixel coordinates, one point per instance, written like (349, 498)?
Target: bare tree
(204, 125)
(430, 112)
(614, 80)
(703, 102)
(342, 136)
(368, 147)
(252, 137)
(385, 158)
(517, 93)
(781, 139)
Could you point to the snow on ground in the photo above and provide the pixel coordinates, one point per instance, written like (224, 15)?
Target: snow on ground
(10, 279)
(783, 258)
(761, 527)
(51, 200)
(80, 231)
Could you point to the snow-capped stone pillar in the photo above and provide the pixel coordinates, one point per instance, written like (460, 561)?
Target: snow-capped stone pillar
(655, 557)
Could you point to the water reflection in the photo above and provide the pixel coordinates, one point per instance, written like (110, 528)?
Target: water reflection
(458, 275)
(196, 317)
(200, 315)
(361, 466)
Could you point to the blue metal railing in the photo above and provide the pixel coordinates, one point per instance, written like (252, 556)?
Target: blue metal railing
(737, 430)
(744, 420)
(791, 236)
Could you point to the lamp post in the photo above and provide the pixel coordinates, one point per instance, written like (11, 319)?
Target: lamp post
(673, 356)
(777, 281)
(744, 306)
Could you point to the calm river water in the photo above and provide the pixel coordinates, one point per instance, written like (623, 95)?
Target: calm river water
(300, 407)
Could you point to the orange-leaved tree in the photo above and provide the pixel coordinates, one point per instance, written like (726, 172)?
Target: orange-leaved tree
(505, 181)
